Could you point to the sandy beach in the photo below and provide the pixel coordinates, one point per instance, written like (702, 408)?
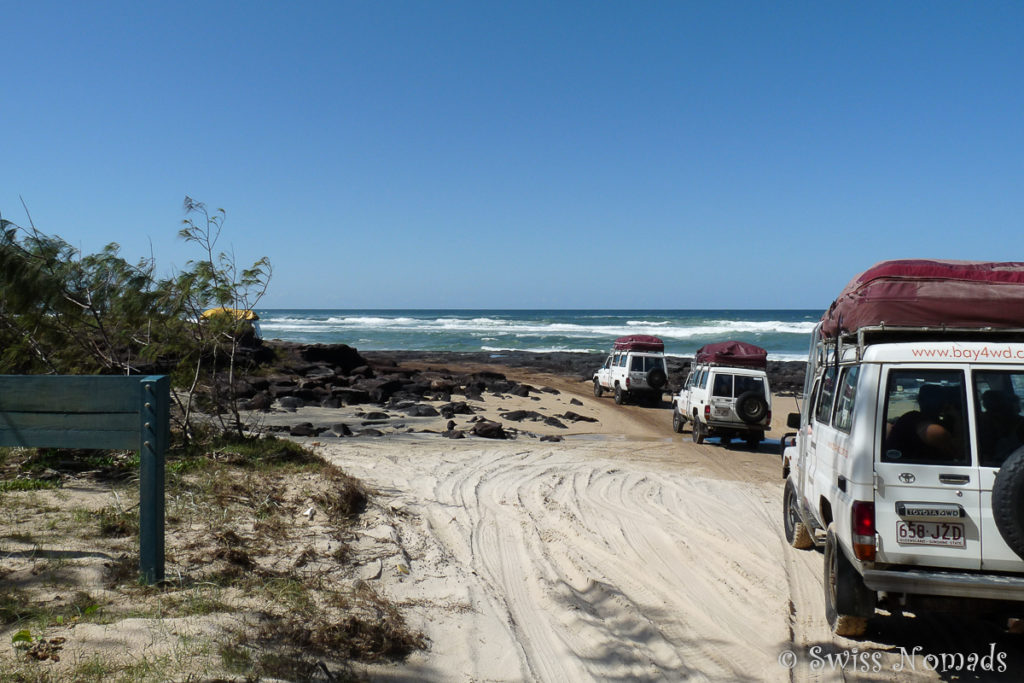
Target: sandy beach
(624, 552)
(591, 544)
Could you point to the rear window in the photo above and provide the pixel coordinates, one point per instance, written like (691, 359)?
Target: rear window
(924, 418)
(997, 402)
(743, 384)
(646, 363)
(722, 385)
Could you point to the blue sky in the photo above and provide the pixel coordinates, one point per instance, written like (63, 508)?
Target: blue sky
(528, 154)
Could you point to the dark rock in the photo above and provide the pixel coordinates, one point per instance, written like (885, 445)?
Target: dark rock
(549, 390)
(341, 429)
(489, 430)
(377, 416)
(303, 429)
(259, 383)
(453, 434)
(261, 401)
(352, 397)
(520, 415)
(318, 372)
(554, 422)
(379, 390)
(552, 437)
(369, 432)
(442, 385)
(290, 403)
(331, 402)
(340, 356)
(363, 371)
(575, 402)
(448, 410)
(421, 410)
(522, 390)
(451, 425)
(282, 388)
(575, 417)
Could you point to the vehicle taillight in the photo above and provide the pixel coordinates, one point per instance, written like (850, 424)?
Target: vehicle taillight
(864, 530)
(707, 412)
(627, 381)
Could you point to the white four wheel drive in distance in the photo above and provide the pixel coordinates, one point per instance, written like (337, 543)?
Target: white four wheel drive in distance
(634, 370)
(726, 394)
(909, 461)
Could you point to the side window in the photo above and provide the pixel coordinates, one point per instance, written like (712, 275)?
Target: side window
(689, 381)
(608, 362)
(703, 379)
(815, 392)
(924, 418)
(843, 418)
(828, 391)
(723, 385)
(622, 361)
(636, 364)
(997, 400)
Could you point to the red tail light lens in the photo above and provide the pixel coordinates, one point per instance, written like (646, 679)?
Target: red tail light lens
(707, 412)
(864, 530)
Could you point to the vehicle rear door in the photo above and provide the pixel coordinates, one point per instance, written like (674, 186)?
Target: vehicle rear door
(927, 484)
(999, 431)
(721, 398)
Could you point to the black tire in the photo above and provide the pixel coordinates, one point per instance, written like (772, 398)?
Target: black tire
(620, 396)
(598, 391)
(797, 534)
(752, 407)
(1008, 501)
(753, 442)
(677, 421)
(848, 602)
(656, 378)
(699, 431)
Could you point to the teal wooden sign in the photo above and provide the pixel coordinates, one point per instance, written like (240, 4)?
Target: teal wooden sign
(103, 412)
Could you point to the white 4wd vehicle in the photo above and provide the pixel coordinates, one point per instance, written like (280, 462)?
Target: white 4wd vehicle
(634, 369)
(726, 394)
(909, 461)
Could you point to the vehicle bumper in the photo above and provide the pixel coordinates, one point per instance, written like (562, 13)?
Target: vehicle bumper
(946, 584)
(737, 426)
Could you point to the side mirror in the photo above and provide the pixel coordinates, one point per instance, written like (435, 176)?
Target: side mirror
(793, 421)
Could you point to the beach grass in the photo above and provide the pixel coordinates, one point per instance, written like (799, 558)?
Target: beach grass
(259, 582)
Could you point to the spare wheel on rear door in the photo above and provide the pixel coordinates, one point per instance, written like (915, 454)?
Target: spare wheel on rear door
(656, 378)
(751, 407)
(1008, 501)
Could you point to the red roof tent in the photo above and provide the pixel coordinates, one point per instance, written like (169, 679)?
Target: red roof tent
(639, 342)
(736, 353)
(924, 293)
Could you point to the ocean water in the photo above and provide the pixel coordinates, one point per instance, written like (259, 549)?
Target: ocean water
(785, 334)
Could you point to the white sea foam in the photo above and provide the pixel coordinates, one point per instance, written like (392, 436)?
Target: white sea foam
(488, 325)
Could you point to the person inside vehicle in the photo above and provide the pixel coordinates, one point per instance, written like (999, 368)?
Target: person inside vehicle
(1000, 427)
(932, 433)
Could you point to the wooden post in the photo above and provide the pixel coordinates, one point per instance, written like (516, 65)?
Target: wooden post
(153, 437)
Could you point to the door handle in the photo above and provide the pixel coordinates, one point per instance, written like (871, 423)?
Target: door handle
(954, 478)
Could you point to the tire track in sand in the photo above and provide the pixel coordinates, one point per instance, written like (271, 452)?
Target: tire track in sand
(582, 564)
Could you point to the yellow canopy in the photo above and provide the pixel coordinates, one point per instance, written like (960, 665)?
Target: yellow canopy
(239, 314)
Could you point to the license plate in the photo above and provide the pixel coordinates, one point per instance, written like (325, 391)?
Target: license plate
(931, 533)
(721, 410)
